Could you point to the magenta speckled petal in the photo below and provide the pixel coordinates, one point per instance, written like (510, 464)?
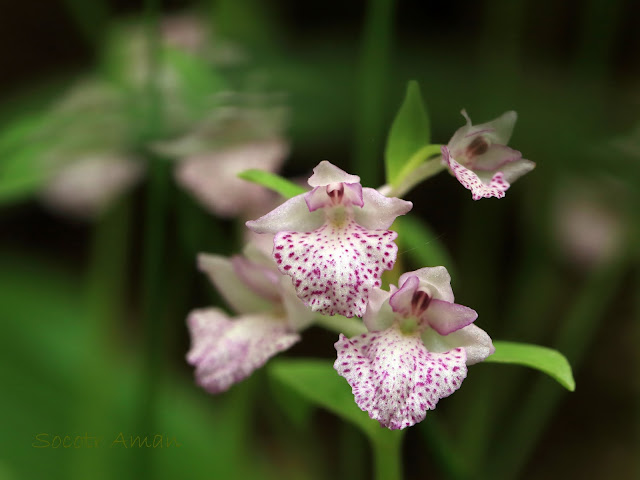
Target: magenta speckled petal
(326, 173)
(394, 378)
(335, 267)
(496, 187)
(226, 351)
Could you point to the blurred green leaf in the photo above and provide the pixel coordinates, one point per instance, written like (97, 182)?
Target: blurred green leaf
(21, 168)
(547, 360)
(317, 381)
(409, 133)
(421, 244)
(273, 182)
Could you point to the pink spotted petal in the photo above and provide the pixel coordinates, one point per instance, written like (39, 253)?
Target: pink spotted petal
(319, 197)
(395, 378)
(496, 187)
(475, 341)
(446, 318)
(226, 351)
(326, 173)
(436, 281)
(292, 215)
(235, 291)
(335, 268)
(379, 212)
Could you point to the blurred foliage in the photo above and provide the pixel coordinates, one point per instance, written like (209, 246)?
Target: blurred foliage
(67, 368)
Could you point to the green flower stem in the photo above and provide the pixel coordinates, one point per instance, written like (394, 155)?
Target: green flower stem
(574, 337)
(417, 170)
(154, 320)
(371, 88)
(350, 327)
(107, 275)
(387, 455)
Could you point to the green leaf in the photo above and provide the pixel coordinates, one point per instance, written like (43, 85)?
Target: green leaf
(273, 182)
(422, 245)
(547, 360)
(409, 133)
(317, 381)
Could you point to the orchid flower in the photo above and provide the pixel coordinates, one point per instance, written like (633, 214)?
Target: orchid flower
(416, 351)
(479, 158)
(226, 350)
(333, 240)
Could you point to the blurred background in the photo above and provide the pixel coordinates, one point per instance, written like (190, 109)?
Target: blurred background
(104, 103)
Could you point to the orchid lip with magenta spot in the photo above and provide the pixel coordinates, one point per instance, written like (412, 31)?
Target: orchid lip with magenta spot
(333, 241)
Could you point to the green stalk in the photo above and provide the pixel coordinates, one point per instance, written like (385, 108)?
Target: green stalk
(371, 89)
(107, 276)
(387, 456)
(154, 320)
(106, 286)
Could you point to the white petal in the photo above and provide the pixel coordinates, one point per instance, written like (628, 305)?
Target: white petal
(434, 280)
(379, 212)
(378, 315)
(475, 341)
(292, 216)
(394, 378)
(237, 294)
(226, 351)
(334, 268)
(326, 173)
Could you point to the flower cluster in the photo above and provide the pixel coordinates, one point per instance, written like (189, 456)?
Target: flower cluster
(331, 246)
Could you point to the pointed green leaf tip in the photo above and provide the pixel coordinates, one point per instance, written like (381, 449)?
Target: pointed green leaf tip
(547, 360)
(410, 131)
(273, 182)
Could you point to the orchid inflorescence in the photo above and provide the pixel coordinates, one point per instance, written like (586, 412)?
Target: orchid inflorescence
(330, 247)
